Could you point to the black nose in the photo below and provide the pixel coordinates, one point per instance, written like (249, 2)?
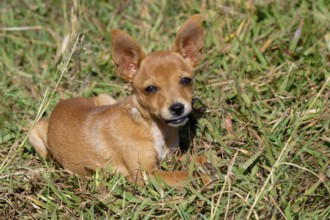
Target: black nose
(177, 109)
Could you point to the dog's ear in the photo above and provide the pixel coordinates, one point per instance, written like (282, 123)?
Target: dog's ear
(126, 54)
(189, 40)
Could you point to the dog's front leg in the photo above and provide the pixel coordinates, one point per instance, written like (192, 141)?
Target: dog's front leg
(180, 178)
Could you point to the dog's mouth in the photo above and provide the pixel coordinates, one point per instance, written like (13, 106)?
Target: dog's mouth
(178, 122)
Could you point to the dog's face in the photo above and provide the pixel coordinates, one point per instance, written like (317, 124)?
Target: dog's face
(163, 85)
(162, 81)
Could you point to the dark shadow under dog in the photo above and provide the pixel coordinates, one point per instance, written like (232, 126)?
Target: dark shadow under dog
(187, 133)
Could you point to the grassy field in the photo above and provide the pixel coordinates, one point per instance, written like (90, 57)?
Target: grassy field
(263, 119)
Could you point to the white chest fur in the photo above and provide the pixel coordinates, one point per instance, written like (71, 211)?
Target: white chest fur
(159, 142)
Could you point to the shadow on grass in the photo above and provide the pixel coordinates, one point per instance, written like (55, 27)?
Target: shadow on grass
(187, 133)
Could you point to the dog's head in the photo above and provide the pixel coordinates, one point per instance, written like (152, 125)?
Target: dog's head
(162, 81)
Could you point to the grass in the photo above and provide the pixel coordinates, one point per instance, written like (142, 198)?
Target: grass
(264, 118)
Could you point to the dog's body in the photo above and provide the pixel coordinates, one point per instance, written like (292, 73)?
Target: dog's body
(84, 135)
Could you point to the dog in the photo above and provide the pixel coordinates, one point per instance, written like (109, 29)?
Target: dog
(87, 134)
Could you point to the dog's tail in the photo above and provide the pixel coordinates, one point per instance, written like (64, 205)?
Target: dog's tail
(38, 138)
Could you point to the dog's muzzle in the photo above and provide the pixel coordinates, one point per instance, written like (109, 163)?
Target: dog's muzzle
(178, 122)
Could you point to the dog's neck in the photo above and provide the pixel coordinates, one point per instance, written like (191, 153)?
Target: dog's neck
(140, 113)
(164, 135)
(139, 110)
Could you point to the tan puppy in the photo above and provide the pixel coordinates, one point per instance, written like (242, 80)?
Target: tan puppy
(133, 135)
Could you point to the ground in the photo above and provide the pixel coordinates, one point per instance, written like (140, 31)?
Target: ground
(261, 113)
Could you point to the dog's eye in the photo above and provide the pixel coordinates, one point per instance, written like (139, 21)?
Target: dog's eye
(185, 81)
(150, 89)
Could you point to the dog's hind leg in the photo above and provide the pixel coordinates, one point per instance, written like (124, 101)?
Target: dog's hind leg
(38, 138)
(103, 99)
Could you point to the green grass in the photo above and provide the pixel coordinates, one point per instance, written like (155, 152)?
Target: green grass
(264, 81)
